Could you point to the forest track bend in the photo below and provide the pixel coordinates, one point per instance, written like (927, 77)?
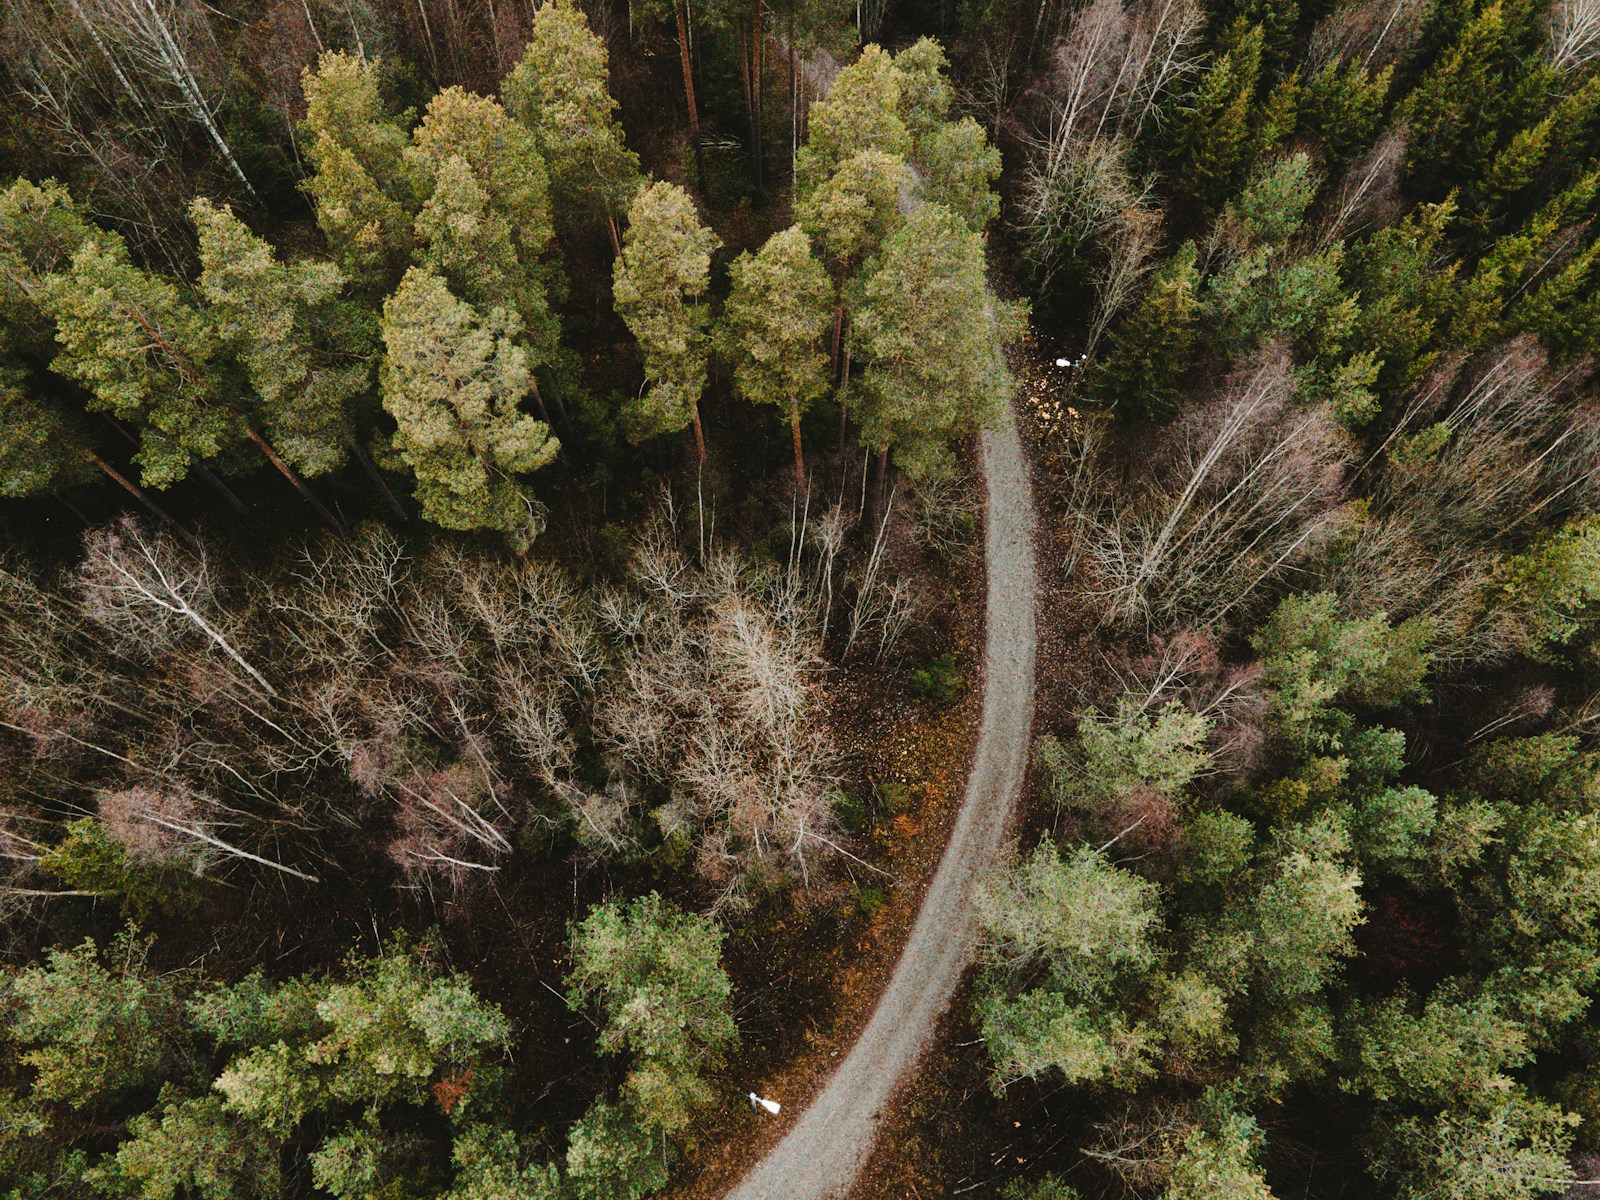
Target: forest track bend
(821, 1156)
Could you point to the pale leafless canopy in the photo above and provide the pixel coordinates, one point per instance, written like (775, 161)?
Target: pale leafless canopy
(1574, 33)
(1486, 452)
(147, 590)
(1368, 194)
(1114, 66)
(717, 694)
(1374, 33)
(1234, 496)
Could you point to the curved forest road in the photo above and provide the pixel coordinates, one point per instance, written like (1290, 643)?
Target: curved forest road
(823, 1153)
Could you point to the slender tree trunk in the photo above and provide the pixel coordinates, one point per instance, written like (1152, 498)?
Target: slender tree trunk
(371, 469)
(611, 228)
(880, 481)
(143, 497)
(699, 434)
(759, 47)
(843, 419)
(688, 93)
(838, 335)
(200, 469)
(799, 452)
(222, 489)
(293, 477)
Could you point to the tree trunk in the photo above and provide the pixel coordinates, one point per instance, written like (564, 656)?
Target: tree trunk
(880, 480)
(799, 452)
(688, 93)
(838, 335)
(222, 489)
(699, 434)
(611, 228)
(293, 477)
(368, 466)
(143, 497)
(757, 50)
(843, 416)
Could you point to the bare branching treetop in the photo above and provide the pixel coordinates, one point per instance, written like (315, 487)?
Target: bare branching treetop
(1488, 450)
(717, 694)
(1231, 498)
(1574, 33)
(149, 591)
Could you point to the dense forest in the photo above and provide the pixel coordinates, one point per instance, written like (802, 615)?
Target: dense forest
(491, 571)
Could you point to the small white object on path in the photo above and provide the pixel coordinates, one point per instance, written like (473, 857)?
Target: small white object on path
(772, 1106)
(1063, 362)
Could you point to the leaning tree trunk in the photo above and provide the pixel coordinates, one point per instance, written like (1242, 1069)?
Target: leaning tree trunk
(293, 477)
(143, 497)
(367, 465)
(688, 93)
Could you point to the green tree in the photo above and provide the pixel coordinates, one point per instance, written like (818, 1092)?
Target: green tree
(1341, 105)
(191, 1147)
(1450, 103)
(1217, 132)
(925, 92)
(558, 90)
(1063, 934)
(360, 183)
(772, 329)
(1131, 750)
(1511, 1147)
(848, 218)
(655, 975)
(660, 286)
(1151, 350)
(1219, 1163)
(958, 169)
(272, 315)
(1544, 592)
(861, 112)
(145, 356)
(611, 1156)
(490, 222)
(96, 1022)
(40, 230)
(931, 336)
(454, 381)
(491, 1165)
(42, 450)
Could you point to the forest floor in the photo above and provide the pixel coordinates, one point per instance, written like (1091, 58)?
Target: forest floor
(825, 1148)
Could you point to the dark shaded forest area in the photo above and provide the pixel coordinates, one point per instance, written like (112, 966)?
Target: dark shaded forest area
(485, 487)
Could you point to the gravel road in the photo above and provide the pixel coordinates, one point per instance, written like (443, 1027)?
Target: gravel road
(825, 1150)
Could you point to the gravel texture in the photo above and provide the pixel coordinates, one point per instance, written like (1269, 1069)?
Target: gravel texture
(824, 1151)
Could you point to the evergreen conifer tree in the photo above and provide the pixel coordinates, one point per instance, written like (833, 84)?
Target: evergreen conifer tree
(660, 285)
(453, 380)
(773, 326)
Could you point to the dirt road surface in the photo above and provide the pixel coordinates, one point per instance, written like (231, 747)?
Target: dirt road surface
(823, 1153)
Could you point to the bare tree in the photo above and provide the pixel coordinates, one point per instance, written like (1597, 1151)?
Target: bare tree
(140, 585)
(1487, 452)
(1231, 497)
(1378, 33)
(716, 694)
(1368, 196)
(174, 828)
(1114, 67)
(1574, 33)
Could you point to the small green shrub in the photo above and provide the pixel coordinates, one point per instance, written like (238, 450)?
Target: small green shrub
(940, 681)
